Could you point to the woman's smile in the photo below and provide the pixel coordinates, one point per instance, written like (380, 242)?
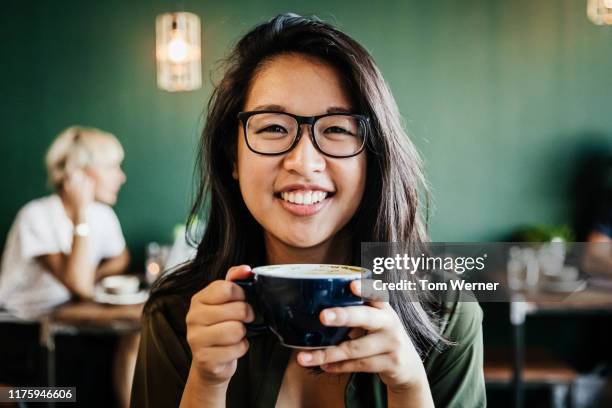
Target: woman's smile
(304, 200)
(304, 203)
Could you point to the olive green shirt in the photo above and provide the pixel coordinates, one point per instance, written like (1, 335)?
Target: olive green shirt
(455, 373)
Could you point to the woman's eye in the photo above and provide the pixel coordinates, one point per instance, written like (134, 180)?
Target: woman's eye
(274, 129)
(338, 130)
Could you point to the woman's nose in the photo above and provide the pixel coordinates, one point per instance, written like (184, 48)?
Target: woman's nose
(304, 158)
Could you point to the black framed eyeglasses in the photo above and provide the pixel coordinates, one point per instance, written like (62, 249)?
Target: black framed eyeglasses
(337, 135)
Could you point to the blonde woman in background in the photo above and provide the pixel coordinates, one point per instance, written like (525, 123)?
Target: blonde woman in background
(60, 245)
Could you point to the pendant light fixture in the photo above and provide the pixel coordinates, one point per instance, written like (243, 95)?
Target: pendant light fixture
(600, 11)
(178, 52)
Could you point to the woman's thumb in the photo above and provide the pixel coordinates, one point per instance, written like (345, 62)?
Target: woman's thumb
(238, 272)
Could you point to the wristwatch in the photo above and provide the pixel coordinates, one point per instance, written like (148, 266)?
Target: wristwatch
(81, 229)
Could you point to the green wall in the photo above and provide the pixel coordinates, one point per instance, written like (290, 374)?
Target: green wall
(501, 97)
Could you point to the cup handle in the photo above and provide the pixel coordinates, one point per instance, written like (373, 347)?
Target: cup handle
(258, 326)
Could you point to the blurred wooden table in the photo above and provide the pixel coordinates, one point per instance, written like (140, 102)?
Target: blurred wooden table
(92, 316)
(86, 317)
(591, 299)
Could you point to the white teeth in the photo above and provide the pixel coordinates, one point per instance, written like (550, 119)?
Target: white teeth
(308, 198)
(305, 197)
(299, 198)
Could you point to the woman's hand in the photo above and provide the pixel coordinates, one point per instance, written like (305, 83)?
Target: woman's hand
(79, 190)
(379, 344)
(215, 328)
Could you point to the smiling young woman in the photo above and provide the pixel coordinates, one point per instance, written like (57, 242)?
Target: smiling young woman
(302, 158)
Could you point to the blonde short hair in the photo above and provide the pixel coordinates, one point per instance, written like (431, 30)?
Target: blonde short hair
(78, 147)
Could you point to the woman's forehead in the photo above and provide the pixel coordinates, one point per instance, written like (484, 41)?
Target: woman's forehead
(303, 85)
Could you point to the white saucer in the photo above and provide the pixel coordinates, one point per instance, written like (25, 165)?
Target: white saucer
(564, 287)
(101, 296)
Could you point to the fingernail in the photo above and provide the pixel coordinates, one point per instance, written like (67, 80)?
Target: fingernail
(250, 316)
(330, 316)
(306, 357)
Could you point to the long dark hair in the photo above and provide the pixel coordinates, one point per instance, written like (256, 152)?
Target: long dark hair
(390, 208)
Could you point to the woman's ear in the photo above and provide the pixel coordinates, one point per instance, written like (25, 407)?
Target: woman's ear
(90, 172)
(235, 171)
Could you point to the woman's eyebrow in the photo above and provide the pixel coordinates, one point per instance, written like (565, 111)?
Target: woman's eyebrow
(338, 109)
(279, 108)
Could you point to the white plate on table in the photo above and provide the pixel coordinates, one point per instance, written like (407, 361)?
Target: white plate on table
(563, 286)
(101, 296)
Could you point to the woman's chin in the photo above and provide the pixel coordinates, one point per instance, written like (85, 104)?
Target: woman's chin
(304, 241)
(107, 199)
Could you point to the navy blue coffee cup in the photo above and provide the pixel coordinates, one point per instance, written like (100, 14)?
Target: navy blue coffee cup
(289, 298)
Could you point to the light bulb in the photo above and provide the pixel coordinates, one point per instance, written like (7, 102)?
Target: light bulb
(177, 50)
